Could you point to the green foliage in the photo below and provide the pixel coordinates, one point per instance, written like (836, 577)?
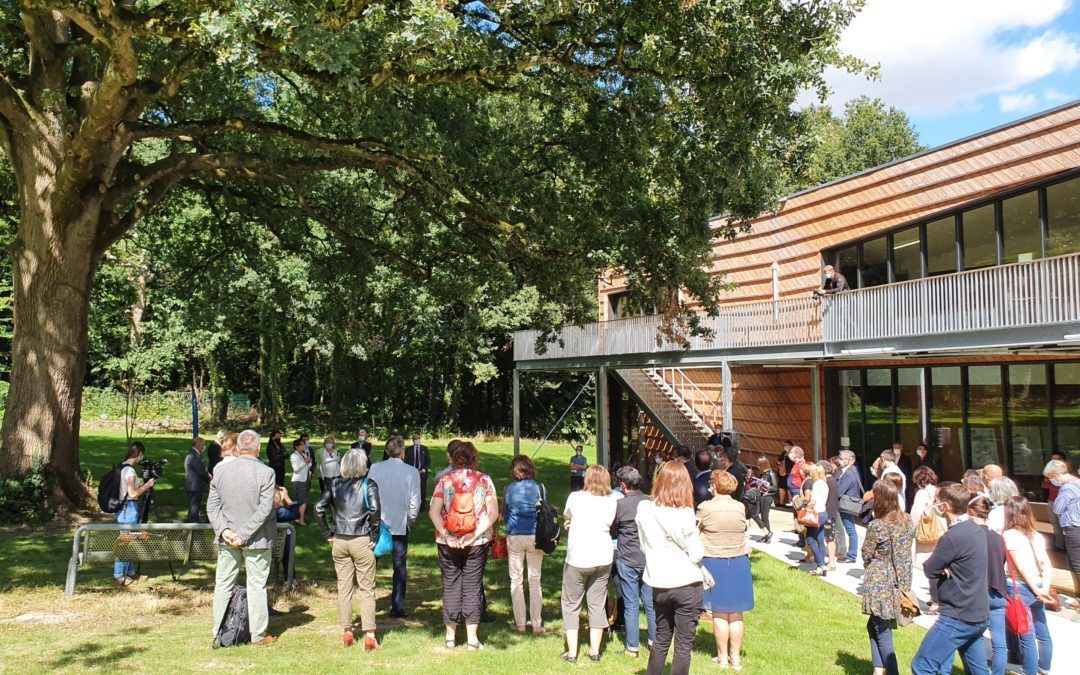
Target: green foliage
(24, 500)
(107, 404)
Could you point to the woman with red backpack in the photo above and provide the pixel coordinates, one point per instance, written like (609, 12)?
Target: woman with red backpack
(464, 510)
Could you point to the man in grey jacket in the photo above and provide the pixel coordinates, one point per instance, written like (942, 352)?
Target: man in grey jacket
(196, 479)
(241, 510)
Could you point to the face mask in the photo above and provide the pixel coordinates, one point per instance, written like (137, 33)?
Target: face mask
(828, 275)
(329, 446)
(920, 453)
(939, 510)
(1055, 482)
(416, 442)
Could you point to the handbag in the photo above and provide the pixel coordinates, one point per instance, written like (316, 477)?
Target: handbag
(807, 517)
(931, 527)
(850, 506)
(499, 550)
(1017, 619)
(908, 604)
(385, 542)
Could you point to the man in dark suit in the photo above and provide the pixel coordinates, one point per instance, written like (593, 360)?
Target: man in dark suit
(362, 443)
(419, 457)
(703, 478)
(196, 479)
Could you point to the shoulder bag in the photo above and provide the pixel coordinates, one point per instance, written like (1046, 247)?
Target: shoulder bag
(1017, 619)
(852, 506)
(385, 543)
(807, 517)
(931, 526)
(908, 604)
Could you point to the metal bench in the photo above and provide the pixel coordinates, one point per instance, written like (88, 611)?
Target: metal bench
(159, 542)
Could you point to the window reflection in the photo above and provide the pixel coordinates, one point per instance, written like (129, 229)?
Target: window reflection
(941, 246)
(907, 254)
(980, 238)
(1020, 228)
(1063, 217)
(875, 262)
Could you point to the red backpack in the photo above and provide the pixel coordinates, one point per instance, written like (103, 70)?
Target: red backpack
(461, 516)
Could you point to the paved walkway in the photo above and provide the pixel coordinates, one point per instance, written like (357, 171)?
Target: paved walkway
(1064, 626)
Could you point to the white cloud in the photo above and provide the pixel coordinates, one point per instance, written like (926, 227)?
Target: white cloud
(1018, 102)
(1056, 96)
(940, 57)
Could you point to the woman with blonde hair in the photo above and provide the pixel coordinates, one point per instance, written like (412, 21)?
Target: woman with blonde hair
(818, 504)
(357, 512)
(673, 553)
(589, 514)
(727, 557)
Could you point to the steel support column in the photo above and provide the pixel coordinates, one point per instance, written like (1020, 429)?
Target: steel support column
(725, 394)
(815, 403)
(602, 420)
(517, 412)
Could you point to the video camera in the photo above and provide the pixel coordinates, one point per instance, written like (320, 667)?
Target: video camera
(153, 468)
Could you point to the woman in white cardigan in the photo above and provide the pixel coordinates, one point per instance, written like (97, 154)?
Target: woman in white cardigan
(673, 553)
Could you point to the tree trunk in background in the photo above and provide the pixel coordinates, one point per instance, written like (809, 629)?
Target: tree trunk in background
(219, 392)
(270, 371)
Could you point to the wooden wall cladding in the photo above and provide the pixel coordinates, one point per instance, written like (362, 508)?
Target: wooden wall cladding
(908, 191)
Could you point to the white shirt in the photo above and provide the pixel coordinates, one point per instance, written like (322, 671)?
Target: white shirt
(664, 532)
(125, 473)
(903, 484)
(819, 494)
(1028, 555)
(329, 466)
(589, 542)
(924, 500)
(996, 520)
(399, 492)
(300, 468)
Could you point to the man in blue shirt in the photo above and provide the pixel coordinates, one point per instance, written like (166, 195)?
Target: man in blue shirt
(1067, 508)
(578, 464)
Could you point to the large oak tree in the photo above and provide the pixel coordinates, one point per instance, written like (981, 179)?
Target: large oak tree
(553, 136)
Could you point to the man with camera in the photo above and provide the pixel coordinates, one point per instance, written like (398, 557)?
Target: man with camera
(196, 479)
(241, 510)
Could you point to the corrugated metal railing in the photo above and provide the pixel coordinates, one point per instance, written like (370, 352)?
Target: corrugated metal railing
(1023, 294)
(1017, 295)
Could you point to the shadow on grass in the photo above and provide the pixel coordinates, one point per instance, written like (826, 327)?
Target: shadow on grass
(95, 655)
(849, 663)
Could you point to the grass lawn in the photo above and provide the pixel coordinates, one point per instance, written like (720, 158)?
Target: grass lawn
(800, 625)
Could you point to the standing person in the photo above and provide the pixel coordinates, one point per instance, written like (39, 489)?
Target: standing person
(784, 465)
(922, 510)
(717, 438)
(1051, 496)
(363, 443)
(418, 457)
(355, 499)
(241, 510)
(464, 508)
(276, 456)
(729, 461)
(673, 553)
(702, 477)
(519, 513)
(213, 453)
(819, 504)
(849, 484)
(979, 510)
(131, 488)
(887, 555)
(795, 480)
(196, 479)
(329, 467)
(906, 466)
(589, 514)
(923, 453)
(301, 475)
(960, 568)
(1032, 569)
(887, 465)
(399, 484)
(630, 561)
(835, 535)
(450, 447)
(1067, 508)
(727, 557)
(768, 484)
(1001, 489)
(578, 465)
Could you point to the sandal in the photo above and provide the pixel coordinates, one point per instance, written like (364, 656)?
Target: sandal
(450, 644)
(736, 665)
(475, 646)
(720, 661)
(595, 658)
(633, 653)
(565, 656)
(819, 572)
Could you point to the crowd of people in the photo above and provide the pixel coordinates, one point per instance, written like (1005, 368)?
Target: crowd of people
(679, 554)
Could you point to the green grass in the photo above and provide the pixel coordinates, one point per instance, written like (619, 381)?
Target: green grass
(800, 624)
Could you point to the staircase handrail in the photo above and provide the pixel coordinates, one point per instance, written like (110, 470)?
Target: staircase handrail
(713, 412)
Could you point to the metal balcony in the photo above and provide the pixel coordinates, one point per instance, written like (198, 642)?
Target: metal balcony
(1027, 303)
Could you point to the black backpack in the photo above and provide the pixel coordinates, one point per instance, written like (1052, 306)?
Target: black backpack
(547, 524)
(108, 493)
(234, 629)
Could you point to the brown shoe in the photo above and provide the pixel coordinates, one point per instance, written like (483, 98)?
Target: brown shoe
(268, 640)
(540, 631)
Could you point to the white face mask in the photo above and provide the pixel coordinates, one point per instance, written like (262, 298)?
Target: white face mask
(363, 438)
(329, 446)
(416, 442)
(1055, 482)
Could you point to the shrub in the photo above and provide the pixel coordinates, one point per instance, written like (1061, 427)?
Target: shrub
(24, 500)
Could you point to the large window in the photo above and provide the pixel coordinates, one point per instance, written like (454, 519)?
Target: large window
(941, 246)
(907, 254)
(875, 263)
(1020, 227)
(847, 263)
(879, 411)
(851, 413)
(1063, 217)
(947, 419)
(980, 237)
(1067, 410)
(985, 422)
(1029, 420)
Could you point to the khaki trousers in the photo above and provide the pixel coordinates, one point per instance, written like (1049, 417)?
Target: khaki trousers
(354, 562)
(522, 549)
(256, 563)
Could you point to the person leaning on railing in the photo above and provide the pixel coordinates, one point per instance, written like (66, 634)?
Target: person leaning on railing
(834, 283)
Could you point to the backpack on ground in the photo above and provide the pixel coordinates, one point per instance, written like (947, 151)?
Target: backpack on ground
(461, 516)
(108, 493)
(547, 524)
(234, 629)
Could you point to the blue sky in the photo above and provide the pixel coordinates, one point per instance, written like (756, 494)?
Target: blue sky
(958, 67)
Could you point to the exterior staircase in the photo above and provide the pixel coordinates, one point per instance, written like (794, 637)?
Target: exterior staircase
(674, 416)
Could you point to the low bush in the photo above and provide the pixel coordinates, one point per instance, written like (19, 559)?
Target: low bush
(25, 500)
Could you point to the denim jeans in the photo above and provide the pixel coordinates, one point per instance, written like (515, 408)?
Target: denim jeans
(815, 536)
(852, 536)
(128, 515)
(998, 646)
(946, 637)
(1036, 648)
(882, 653)
(632, 585)
(401, 573)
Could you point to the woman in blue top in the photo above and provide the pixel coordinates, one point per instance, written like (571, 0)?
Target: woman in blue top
(519, 512)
